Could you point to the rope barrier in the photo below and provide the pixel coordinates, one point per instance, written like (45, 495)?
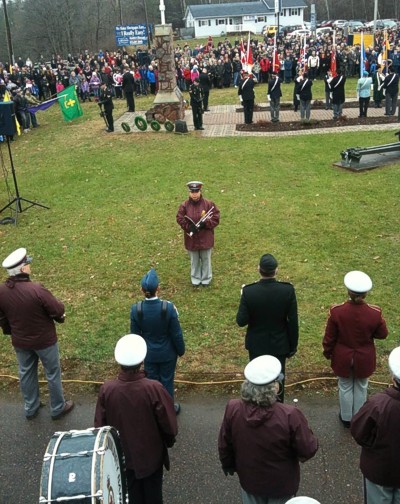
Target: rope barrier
(200, 383)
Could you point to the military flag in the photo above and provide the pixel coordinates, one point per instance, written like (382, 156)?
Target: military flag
(69, 103)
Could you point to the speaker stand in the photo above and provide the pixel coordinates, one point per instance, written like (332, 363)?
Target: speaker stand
(18, 198)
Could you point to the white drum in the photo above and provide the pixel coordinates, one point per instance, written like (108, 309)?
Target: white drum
(84, 467)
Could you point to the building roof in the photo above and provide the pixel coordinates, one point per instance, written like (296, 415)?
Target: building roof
(239, 8)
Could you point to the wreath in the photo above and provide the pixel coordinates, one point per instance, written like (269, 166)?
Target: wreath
(169, 126)
(125, 126)
(155, 125)
(141, 123)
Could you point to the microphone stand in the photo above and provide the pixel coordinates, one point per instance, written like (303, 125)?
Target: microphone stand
(18, 198)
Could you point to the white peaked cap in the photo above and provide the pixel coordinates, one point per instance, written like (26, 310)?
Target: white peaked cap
(130, 350)
(357, 281)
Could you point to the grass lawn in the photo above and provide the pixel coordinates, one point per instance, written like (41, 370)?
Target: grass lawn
(113, 201)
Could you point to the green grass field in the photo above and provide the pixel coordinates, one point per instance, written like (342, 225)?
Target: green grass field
(113, 201)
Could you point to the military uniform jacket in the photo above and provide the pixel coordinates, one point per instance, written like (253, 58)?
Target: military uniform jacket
(246, 89)
(349, 338)
(106, 100)
(269, 309)
(391, 84)
(161, 331)
(204, 238)
(143, 413)
(196, 95)
(28, 311)
(274, 88)
(376, 429)
(264, 446)
(336, 86)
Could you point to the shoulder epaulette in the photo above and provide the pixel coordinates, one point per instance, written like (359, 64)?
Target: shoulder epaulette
(250, 284)
(337, 305)
(375, 307)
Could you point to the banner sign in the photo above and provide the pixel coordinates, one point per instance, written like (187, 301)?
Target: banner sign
(131, 35)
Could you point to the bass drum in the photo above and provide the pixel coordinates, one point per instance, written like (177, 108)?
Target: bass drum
(84, 467)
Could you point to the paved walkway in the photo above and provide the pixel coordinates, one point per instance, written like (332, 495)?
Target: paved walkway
(331, 477)
(221, 121)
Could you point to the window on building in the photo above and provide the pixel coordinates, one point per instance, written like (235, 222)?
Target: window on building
(204, 22)
(261, 19)
(220, 22)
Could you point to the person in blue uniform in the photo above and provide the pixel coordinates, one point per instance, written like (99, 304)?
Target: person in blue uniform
(158, 323)
(269, 310)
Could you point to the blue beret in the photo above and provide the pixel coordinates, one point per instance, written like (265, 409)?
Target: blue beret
(150, 281)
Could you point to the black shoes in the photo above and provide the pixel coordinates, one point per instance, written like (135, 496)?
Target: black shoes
(34, 415)
(345, 423)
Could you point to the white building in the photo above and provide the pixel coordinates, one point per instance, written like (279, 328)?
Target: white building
(224, 18)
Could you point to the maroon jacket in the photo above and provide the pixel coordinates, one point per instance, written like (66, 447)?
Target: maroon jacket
(349, 338)
(143, 413)
(264, 446)
(28, 312)
(203, 239)
(376, 428)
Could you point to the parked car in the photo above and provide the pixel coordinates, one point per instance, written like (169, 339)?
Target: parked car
(269, 30)
(389, 23)
(355, 25)
(339, 23)
(381, 24)
(299, 33)
(324, 24)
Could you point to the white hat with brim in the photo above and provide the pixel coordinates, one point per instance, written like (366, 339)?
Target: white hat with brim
(263, 370)
(358, 282)
(130, 350)
(394, 363)
(16, 258)
(302, 500)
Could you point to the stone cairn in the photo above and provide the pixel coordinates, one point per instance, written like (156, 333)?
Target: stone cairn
(169, 104)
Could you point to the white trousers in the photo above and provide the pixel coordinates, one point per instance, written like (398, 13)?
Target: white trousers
(257, 499)
(200, 266)
(352, 395)
(376, 494)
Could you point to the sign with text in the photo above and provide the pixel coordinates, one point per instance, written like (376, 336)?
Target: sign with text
(131, 35)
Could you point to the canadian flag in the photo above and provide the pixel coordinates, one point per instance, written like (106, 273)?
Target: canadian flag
(243, 55)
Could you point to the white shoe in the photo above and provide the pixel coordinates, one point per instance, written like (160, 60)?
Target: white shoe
(26, 130)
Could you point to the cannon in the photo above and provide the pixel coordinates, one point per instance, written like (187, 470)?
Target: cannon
(362, 158)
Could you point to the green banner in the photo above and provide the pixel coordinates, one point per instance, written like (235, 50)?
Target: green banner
(69, 103)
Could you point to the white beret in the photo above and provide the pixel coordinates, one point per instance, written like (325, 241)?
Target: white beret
(302, 500)
(262, 370)
(130, 350)
(394, 362)
(357, 281)
(16, 258)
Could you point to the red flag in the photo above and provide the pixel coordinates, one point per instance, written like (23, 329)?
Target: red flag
(333, 63)
(277, 63)
(249, 56)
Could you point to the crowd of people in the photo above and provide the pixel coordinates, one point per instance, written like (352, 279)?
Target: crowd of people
(211, 65)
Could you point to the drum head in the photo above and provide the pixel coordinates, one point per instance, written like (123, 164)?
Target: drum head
(85, 466)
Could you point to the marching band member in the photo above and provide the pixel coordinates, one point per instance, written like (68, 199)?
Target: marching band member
(198, 217)
(264, 440)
